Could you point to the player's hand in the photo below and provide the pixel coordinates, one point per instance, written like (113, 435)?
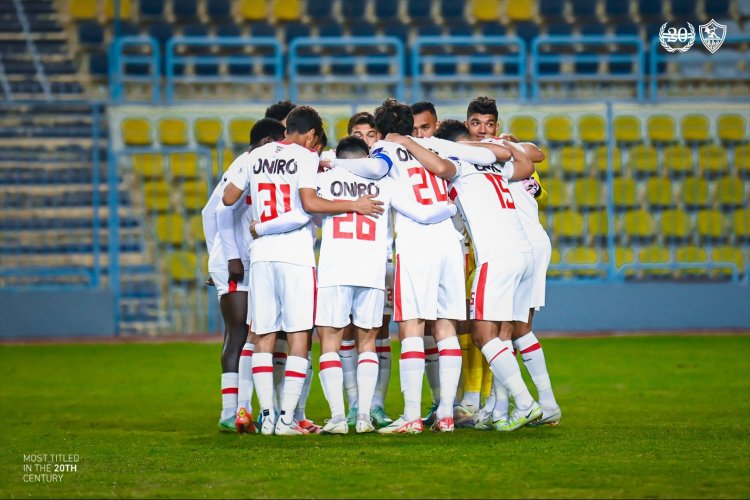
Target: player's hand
(367, 205)
(324, 165)
(210, 281)
(509, 137)
(236, 270)
(532, 186)
(254, 223)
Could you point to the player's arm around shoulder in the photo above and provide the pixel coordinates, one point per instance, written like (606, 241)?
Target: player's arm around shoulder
(429, 160)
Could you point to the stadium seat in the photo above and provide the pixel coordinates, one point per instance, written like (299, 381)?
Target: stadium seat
(239, 131)
(148, 165)
(520, 10)
(730, 193)
(616, 10)
(208, 131)
(353, 10)
(587, 194)
(731, 255)
(649, 10)
(572, 161)
(731, 128)
(342, 124)
(654, 254)
(718, 8)
(683, 9)
(151, 9)
(156, 196)
(90, 34)
(638, 225)
(659, 193)
(585, 256)
(319, 9)
(524, 128)
(741, 225)
(287, 10)
(126, 9)
(136, 131)
(169, 229)
(527, 31)
(542, 167)
(742, 160)
(83, 9)
(625, 194)
(185, 165)
(661, 129)
(599, 161)
(185, 10)
(692, 255)
(551, 10)
(160, 31)
(486, 10)
(543, 219)
(598, 225)
(173, 132)
(694, 192)
(194, 195)
(219, 10)
(558, 129)
(568, 226)
(418, 10)
(386, 10)
(195, 228)
(713, 161)
(254, 10)
(558, 196)
(695, 129)
(555, 259)
(642, 161)
(452, 11)
(625, 256)
(627, 129)
(592, 129)
(678, 160)
(676, 225)
(709, 225)
(182, 266)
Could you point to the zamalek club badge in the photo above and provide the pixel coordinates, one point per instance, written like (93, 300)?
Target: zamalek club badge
(712, 35)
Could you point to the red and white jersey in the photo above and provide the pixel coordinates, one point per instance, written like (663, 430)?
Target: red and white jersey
(528, 211)
(422, 186)
(483, 196)
(353, 247)
(242, 218)
(274, 174)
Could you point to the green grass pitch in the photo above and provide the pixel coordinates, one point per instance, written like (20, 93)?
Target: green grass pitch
(661, 417)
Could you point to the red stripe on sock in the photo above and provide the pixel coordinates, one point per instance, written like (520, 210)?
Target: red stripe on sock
(262, 369)
(431, 351)
(367, 361)
(498, 354)
(246, 352)
(385, 348)
(290, 373)
(450, 352)
(479, 305)
(346, 347)
(532, 348)
(279, 355)
(397, 291)
(230, 390)
(412, 355)
(232, 287)
(330, 364)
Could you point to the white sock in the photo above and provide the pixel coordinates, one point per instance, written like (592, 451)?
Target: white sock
(332, 380)
(412, 372)
(367, 377)
(263, 379)
(432, 367)
(471, 399)
(348, 356)
(533, 358)
(450, 372)
(245, 385)
(383, 348)
(228, 394)
(502, 398)
(504, 366)
(280, 350)
(294, 379)
(299, 412)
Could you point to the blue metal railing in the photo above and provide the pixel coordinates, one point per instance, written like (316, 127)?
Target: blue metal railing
(514, 55)
(300, 58)
(119, 62)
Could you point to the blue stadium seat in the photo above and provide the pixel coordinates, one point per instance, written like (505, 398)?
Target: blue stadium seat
(200, 30)
(330, 30)
(616, 10)
(527, 31)
(206, 69)
(492, 29)
(361, 28)
(386, 10)
(719, 8)
(624, 29)
(586, 68)
(218, 10)
(400, 31)
(228, 30)
(152, 8)
(551, 9)
(312, 69)
(429, 30)
(353, 9)
(185, 10)
(319, 9)
(295, 30)
(460, 28)
(161, 31)
(584, 9)
(620, 68)
(563, 29)
(652, 30)
(452, 10)
(262, 30)
(594, 29)
(650, 10)
(90, 33)
(684, 9)
(129, 28)
(419, 10)
(98, 64)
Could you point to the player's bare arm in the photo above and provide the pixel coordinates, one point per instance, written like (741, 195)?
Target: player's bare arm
(365, 205)
(429, 160)
(502, 153)
(535, 154)
(231, 194)
(523, 168)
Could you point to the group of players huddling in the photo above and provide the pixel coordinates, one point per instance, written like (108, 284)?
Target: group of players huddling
(461, 205)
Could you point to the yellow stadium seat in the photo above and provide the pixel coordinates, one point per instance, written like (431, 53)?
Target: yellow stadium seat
(558, 196)
(661, 129)
(587, 193)
(625, 193)
(694, 192)
(659, 192)
(655, 254)
(678, 160)
(709, 225)
(592, 129)
(572, 161)
(254, 10)
(195, 226)
(623, 256)
(543, 166)
(126, 9)
(692, 255)
(568, 225)
(83, 9)
(713, 160)
(728, 254)
(207, 131)
(676, 224)
(486, 10)
(585, 256)
(239, 131)
(524, 128)
(182, 266)
(287, 10)
(741, 224)
(184, 165)
(156, 196)
(195, 194)
(342, 124)
(642, 160)
(520, 10)
(627, 129)
(695, 128)
(730, 192)
(558, 129)
(742, 160)
(148, 165)
(599, 161)
(169, 229)
(136, 132)
(555, 259)
(173, 132)
(228, 157)
(731, 128)
(638, 224)
(598, 224)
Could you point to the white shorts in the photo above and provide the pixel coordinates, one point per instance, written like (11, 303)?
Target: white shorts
(337, 303)
(502, 289)
(542, 250)
(389, 270)
(286, 297)
(220, 279)
(430, 285)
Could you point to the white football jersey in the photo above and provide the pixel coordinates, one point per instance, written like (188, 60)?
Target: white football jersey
(242, 218)
(274, 174)
(483, 196)
(528, 212)
(353, 247)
